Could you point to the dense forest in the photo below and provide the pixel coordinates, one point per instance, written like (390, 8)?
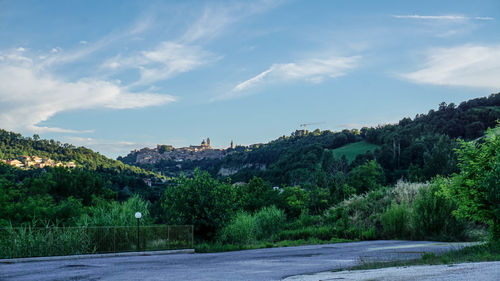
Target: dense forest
(412, 180)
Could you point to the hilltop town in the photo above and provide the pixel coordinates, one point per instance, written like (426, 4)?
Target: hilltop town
(168, 152)
(36, 162)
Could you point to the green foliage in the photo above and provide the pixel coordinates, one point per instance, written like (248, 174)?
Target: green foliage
(28, 241)
(366, 177)
(257, 194)
(269, 221)
(351, 151)
(432, 215)
(359, 216)
(113, 213)
(240, 231)
(202, 201)
(317, 232)
(395, 221)
(295, 200)
(476, 188)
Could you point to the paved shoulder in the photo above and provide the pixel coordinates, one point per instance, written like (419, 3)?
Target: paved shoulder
(484, 271)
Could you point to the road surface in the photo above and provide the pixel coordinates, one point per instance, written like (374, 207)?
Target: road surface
(480, 271)
(261, 264)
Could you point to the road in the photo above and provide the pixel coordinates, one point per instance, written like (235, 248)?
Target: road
(480, 271)
(261, 264)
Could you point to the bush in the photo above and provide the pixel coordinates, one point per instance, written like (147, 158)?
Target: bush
(240, 231)
(405, 192)
(432, 216)
(359, 214)
(318, 232)
(113, 213)
(395, 221)
(269, 221)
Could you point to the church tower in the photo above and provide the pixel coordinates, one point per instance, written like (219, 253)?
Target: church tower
(208, 142)
(232, 144)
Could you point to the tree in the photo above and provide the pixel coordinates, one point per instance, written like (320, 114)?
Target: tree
(366, 177)
(476, 188)
(256, 195)
(202, 201)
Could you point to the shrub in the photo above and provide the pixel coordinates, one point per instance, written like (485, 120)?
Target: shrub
(432, 215)
(318, 232)
(405, 192)
(359, 214)
(113, 213)
(476, 189)
(269, 221)
(395, 221)
(240, 231)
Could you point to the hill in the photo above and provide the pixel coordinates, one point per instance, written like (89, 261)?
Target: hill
(56, 192)
(416, 149)
(351, 151)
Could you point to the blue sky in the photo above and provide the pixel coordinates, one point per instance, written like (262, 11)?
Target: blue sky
(120, 75)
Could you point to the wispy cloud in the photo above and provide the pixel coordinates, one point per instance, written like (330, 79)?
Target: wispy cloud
(30, 94)
(466, 65)
(60, 57)
(187, 52)
(441, 17)
(216, 18)
(310, 70)
(164, 61)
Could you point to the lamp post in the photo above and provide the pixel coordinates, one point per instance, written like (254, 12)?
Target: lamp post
(138, 216)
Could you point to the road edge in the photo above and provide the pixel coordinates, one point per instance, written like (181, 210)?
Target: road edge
(93, 256)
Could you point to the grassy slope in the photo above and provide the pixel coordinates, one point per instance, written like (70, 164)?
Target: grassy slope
(354, 149)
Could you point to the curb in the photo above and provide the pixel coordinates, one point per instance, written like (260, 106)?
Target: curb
(93, 256)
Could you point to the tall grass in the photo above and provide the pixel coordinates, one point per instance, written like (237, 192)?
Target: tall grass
(55, 241)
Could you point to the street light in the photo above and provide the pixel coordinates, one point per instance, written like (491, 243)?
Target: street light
(138, 216)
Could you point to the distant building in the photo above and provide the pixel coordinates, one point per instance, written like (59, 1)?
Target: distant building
(15, 163)
(70, 165)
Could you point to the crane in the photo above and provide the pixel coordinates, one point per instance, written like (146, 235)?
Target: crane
(307, 124)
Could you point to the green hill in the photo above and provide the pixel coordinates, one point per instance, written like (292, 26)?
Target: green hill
(351, 151)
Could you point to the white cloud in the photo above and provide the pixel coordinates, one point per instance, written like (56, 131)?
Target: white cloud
(83, 42)
(312, 70)
(216, 18)
(166, 60)
(441, 17)
(466, 65)
(30, 95)
(185, 53)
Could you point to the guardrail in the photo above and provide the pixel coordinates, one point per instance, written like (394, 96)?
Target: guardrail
(19, 242)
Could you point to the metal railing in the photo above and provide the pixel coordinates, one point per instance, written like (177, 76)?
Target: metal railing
(16, 242)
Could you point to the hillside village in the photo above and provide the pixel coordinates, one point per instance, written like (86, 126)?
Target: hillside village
(36, 162)
(167, 152)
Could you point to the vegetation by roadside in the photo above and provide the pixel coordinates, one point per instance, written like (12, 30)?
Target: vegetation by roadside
(218, 247)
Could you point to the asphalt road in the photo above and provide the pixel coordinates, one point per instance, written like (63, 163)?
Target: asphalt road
(480, 271)
(261, 264)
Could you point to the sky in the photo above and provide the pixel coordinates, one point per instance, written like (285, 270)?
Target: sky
(119, 75)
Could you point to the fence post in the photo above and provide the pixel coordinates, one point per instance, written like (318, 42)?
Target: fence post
(192, 236)
(13, 243)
